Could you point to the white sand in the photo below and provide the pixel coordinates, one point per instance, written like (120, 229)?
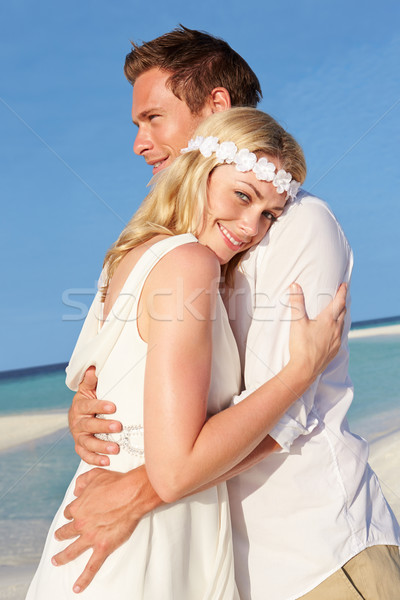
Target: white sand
(385, 452)
(19, 429)
(15, 577)
(22, 547)
(14, 581)
(375, 331)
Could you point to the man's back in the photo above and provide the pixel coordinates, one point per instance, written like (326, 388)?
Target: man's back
(312, 506)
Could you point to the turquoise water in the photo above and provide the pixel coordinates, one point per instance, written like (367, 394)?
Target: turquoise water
(375, 372)
(33, 393)
(34, 476)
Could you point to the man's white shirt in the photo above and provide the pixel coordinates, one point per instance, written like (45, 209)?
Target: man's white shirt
(316, 503)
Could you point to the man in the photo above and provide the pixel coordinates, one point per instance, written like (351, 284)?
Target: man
(309, 516)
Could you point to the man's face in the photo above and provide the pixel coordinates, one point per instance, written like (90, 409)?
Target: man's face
(165, 123)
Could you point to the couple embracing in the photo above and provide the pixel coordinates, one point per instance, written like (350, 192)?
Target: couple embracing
(232, 472)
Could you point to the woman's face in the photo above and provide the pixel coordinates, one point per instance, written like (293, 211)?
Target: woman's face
(240, 211)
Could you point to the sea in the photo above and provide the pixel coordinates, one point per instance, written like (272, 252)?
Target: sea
(35, 475)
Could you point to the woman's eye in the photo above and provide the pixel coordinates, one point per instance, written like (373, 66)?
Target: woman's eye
(242, 196)
(269, 216)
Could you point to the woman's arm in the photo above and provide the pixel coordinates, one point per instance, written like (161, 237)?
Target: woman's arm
(128, 496)
(183, 450)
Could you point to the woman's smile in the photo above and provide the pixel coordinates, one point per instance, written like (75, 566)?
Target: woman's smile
(240, 211)
(233, 242)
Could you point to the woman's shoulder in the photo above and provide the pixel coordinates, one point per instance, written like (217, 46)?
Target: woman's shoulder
(190, 261)
(193, 255)
(183, 282)
(194, 251)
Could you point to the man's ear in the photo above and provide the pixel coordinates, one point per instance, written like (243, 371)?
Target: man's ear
(219, 99)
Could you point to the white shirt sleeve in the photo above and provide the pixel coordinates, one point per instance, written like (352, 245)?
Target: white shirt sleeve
(306, 245)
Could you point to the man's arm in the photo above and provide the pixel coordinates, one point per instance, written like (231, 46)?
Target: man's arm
(125, 499)
(315, 253)
(307, 246)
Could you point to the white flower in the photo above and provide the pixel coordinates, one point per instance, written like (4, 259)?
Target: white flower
(264, 170)
(208, 146)
(245, 160)
(293, 189)
(226, 152)
(282, 181)
(193, 144)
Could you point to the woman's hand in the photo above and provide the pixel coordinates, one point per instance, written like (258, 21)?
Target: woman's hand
(314, 343)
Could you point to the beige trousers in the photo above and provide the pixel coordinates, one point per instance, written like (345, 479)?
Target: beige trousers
(373, 574)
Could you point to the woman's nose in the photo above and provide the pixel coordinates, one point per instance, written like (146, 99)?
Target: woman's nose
(249, 224)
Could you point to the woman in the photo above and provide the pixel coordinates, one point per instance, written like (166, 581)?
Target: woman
(160, 340)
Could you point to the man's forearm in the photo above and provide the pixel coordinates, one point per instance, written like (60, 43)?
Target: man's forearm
(110, 505)
(144, 498)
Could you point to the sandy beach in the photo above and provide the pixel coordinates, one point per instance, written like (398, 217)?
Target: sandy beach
(19, 429)
(374, 331)
(14, 581)
(19, 566)
(17, 570)
(385, 460)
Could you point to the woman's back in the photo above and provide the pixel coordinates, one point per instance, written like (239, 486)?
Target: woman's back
(182, 550)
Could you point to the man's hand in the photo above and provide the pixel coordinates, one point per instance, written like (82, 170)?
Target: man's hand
(105, 514)
(84, 424)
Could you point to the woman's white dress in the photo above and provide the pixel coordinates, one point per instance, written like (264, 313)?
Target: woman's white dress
(181, 551)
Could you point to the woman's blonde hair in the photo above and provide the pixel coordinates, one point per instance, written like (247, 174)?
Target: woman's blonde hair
(178, 199)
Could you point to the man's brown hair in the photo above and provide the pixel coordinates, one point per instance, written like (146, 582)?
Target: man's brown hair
(198, 63)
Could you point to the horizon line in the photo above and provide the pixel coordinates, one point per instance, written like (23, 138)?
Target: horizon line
(54, 367)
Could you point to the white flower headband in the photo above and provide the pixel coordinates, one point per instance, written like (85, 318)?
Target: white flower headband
(245, 160)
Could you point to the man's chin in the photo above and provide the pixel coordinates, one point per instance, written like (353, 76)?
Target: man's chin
(161, 166)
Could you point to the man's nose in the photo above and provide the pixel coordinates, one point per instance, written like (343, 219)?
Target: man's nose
(142, 142)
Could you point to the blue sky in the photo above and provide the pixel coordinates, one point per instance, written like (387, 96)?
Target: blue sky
(69, 180)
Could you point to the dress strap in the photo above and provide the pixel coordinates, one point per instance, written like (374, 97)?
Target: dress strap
(156, 252)
(93, 346)
(136, 279)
